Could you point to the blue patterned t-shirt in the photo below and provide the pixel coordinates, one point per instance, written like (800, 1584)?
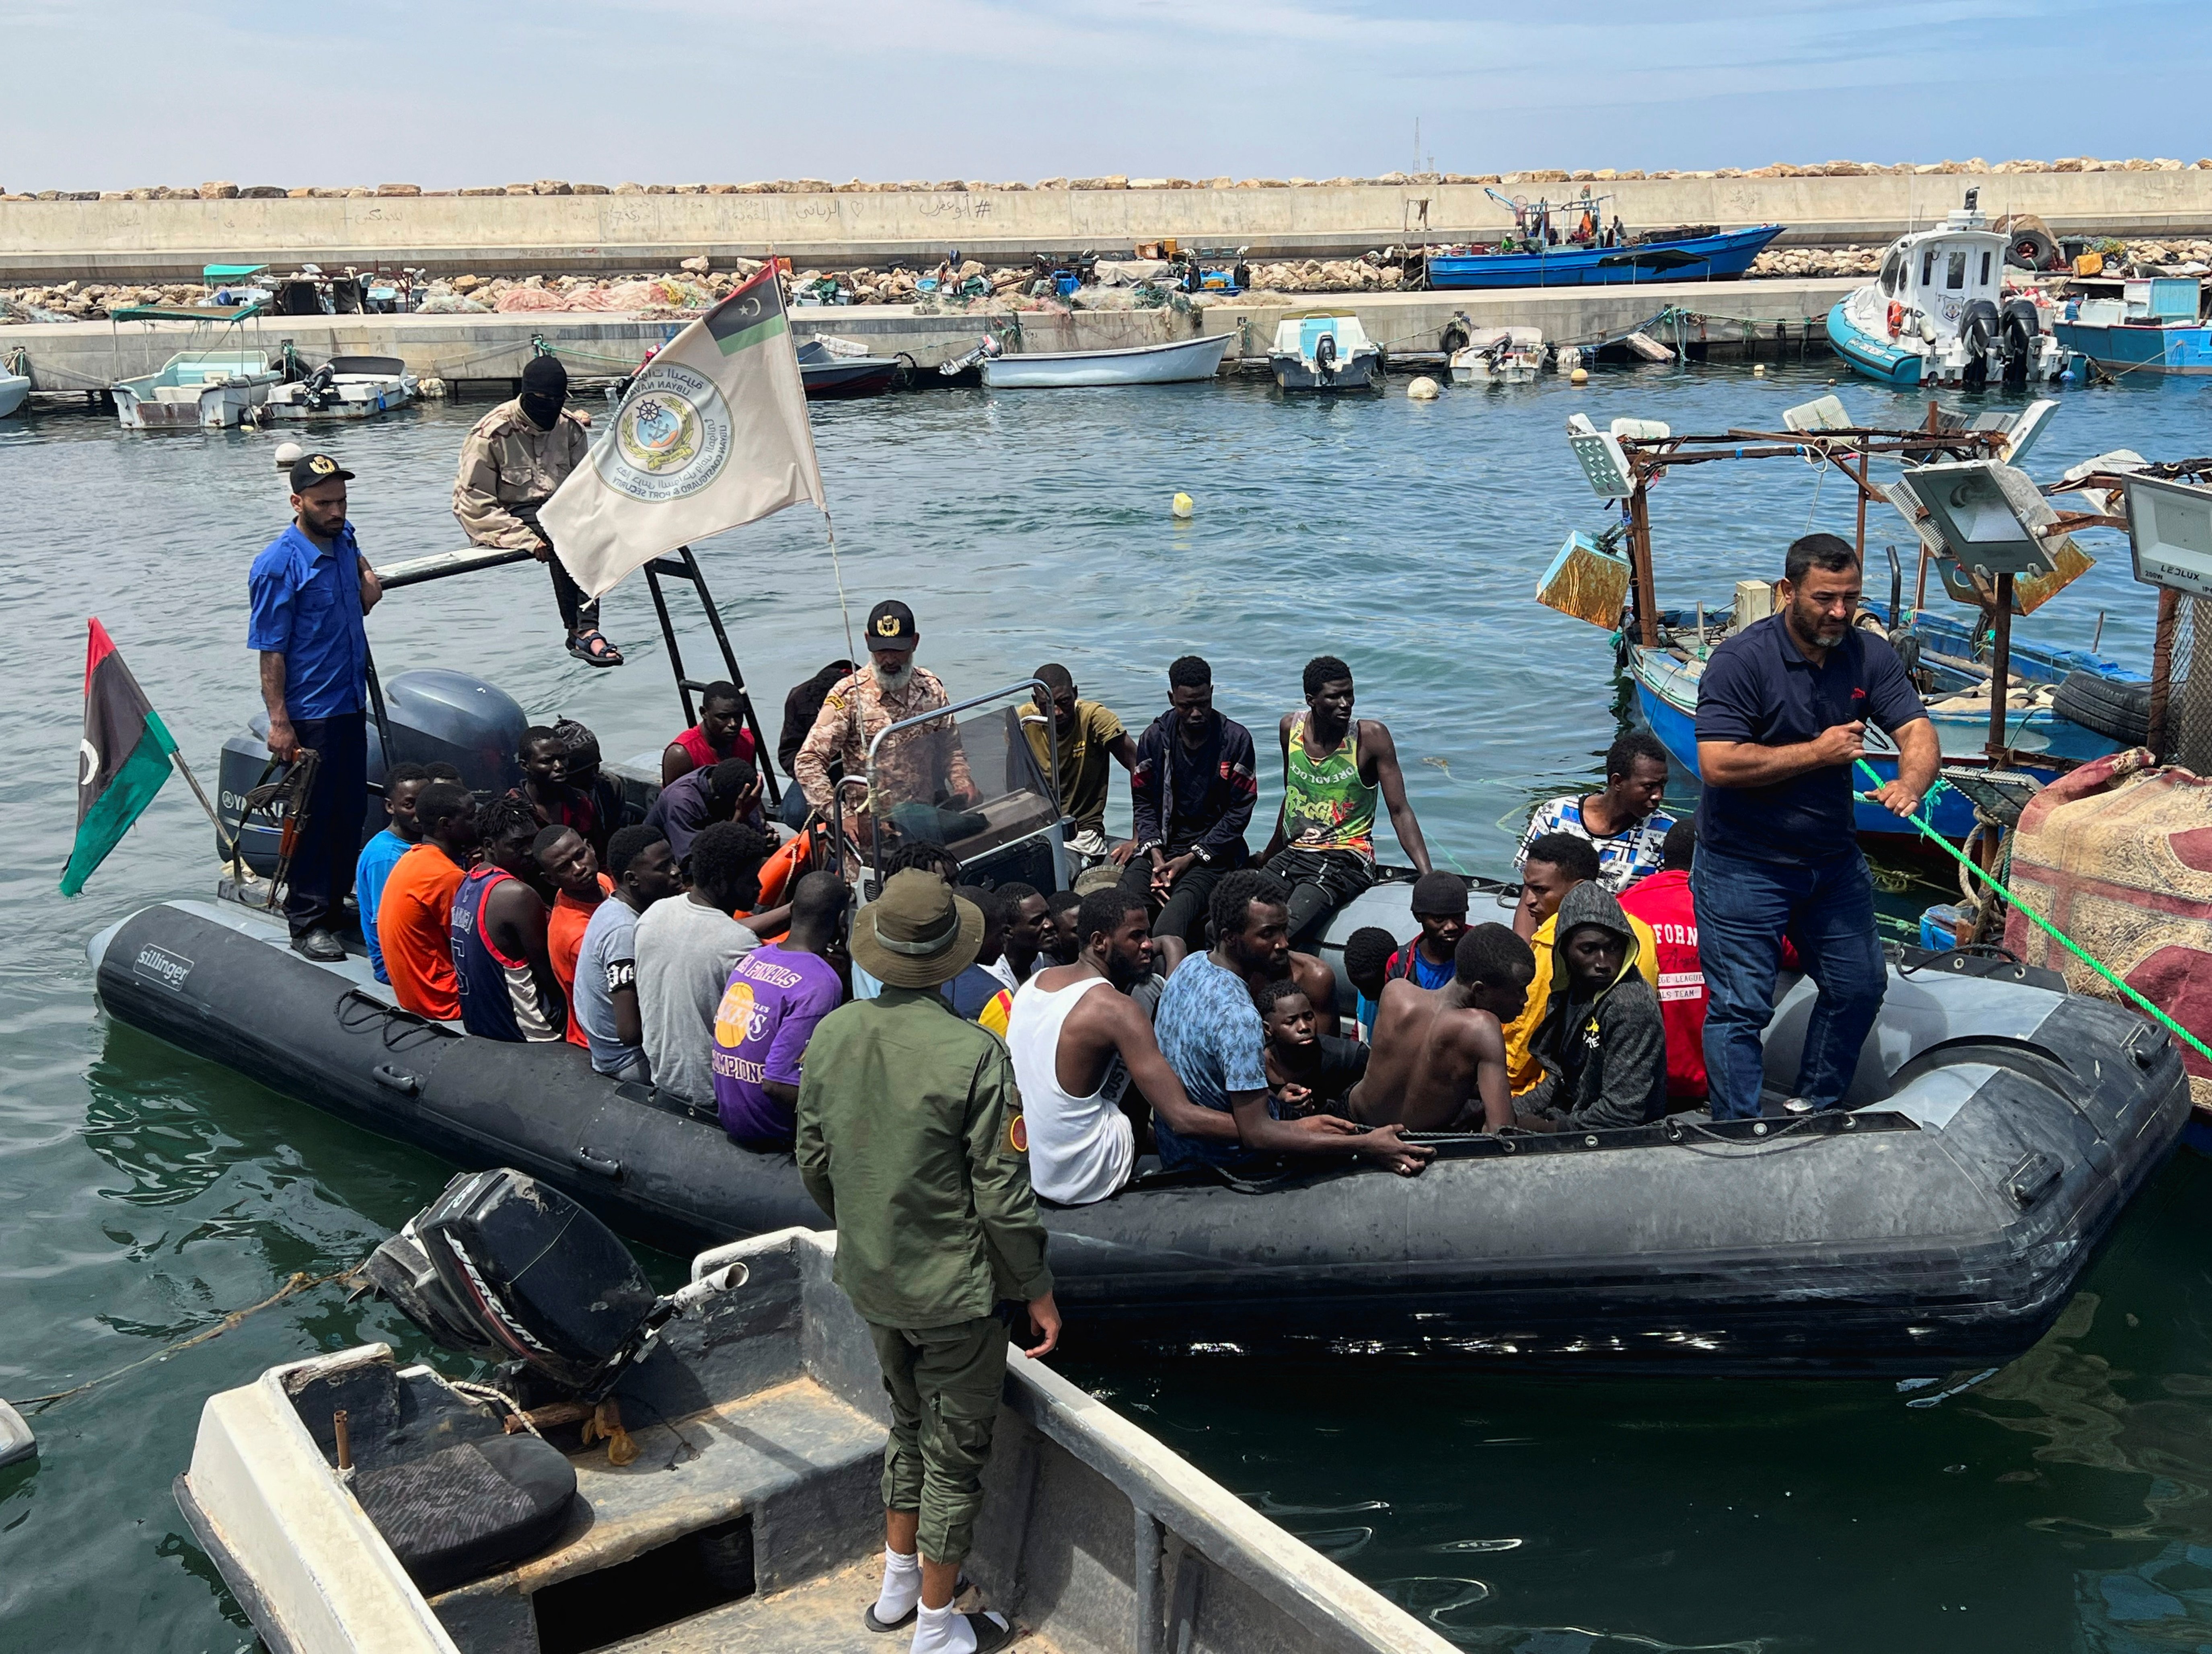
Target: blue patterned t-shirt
(1210, 1032)
(1627, 856)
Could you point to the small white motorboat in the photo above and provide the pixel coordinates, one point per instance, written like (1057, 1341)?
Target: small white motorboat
(1938, 313)
(14, 390)
(212, 389)
(1499, 355)
(1324, 351)
(346, 387)
(1143, 364)
(698, 1471)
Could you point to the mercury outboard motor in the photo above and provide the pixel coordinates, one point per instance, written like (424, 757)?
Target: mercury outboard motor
(2023, 327)
(505, 1268)
(1979, 330)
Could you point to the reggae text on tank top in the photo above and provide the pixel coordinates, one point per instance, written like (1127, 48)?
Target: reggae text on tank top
(499, 995)
(1326, 806)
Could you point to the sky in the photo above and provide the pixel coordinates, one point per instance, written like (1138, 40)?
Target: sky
(127, 92)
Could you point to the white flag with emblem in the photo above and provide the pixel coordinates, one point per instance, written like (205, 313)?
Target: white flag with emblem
(712, 434)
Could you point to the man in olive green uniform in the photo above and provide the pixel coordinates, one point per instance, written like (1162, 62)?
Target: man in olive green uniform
(911, 1137)
(511, 462)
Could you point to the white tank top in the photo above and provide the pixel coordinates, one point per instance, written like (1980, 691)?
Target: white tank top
(1081, 1148)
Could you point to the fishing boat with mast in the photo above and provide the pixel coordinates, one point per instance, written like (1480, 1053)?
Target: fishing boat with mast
(2028, 732)
(1570, 245)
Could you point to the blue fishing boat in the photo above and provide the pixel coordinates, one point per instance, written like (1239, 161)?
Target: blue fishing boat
(2153, 326)
(1722, 256)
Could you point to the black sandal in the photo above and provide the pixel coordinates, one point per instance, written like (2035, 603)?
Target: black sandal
(592, 649)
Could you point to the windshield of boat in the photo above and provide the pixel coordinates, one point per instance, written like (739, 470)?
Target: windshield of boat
(918, 770)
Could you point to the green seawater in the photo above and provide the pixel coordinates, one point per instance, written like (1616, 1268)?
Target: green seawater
(2066, 1503)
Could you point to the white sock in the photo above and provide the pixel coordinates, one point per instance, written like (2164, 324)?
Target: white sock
(902, 1586)
(946, 1631)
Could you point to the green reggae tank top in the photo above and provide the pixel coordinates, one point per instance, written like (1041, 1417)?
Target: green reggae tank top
(1326, 806)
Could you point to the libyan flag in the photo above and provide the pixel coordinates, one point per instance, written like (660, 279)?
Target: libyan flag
(712, 434)
(122, 763)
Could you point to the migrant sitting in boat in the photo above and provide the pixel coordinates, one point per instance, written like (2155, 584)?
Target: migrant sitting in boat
(1624, 822)
(1086, 740)
(1600, 1039)
(1555, 865)
(719, 735)
(1439, 1056)
(502, 969)
(1334, 767)
(1191, 796)
(605, 1005)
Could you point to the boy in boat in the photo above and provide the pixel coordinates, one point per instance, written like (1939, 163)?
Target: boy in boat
(566, 861)
(1367, 953)
(1334, 767)
(415, 911)
(1439, 904)
(1439, 1060)
(1062, 937)
(731, 791)
(1309, 1072)
(507, 988)
(911, 1137)
(1602, 1042)
(543, 756)
(1623, 823)
(775, 998)
(687, 947)
(605, 1002)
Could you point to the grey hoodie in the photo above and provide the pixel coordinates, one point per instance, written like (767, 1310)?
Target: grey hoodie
(1605, 1065)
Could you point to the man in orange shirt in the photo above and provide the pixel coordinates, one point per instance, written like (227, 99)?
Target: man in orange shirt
(565, 857)
(415, 917)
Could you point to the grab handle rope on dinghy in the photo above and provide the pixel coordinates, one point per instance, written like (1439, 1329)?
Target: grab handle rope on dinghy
(2133, 995)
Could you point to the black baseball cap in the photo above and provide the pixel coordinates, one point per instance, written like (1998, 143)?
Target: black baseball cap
(313, 468)
(890, 626)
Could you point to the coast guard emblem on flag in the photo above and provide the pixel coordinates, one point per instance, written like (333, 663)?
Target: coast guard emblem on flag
(671, 439)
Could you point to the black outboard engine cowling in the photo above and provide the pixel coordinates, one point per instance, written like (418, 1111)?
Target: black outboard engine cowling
(1979, 329)
(2022, 324)
(505, 1268)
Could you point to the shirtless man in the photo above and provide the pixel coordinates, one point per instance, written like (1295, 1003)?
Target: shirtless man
(1440, 1053)
(1087, 1061)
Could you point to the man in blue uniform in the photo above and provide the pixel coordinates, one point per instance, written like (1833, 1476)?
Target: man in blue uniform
(309, 589)
(1782, 708)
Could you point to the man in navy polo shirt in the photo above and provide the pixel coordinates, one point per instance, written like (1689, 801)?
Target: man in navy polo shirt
(309, 589)
(1782, 708)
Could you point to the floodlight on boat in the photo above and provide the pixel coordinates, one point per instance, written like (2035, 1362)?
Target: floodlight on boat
(2025, 429)
(1822, 413)
(1611, 477)
(1987, 515)
(2170, 531)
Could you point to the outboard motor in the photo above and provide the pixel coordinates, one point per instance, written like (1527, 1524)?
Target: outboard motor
(320, 390)
(1979, 331)
(434, 715)
(1325, 355)
(2023, 329)
(505, 1268)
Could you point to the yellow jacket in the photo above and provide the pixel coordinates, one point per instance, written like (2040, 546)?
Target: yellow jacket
(1521, 1068)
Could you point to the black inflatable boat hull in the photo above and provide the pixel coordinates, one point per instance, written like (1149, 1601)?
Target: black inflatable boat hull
(1942, 1224)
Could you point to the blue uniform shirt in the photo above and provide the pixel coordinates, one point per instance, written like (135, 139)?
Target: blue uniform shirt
(306, 607)
(1759, 687)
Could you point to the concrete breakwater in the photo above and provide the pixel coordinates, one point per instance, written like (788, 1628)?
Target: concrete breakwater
(556, 226)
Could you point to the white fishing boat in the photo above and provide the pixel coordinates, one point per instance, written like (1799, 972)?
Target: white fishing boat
(14, 390)
(1938, 313)
(1143, 364)
(1324, 351)
(706, 1481)
(210, 389)
(1499, 355)
(346, 387)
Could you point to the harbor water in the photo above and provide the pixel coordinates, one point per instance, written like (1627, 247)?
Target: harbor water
(2063, 1502)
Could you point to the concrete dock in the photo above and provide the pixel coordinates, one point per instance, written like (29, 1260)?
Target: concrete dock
(638, 229)
(1718, 317)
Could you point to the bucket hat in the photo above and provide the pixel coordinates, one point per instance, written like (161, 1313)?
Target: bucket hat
(917, 933)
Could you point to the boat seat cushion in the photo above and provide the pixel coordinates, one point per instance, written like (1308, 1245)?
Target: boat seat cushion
(470, 1510)
(178, 392)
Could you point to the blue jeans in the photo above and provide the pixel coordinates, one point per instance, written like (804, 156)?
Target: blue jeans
(793, 814)
(1744, 909)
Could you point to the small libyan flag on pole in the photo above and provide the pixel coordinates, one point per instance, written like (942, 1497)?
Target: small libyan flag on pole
(122, 763)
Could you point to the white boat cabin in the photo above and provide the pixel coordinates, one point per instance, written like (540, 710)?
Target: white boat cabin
(1936, 274)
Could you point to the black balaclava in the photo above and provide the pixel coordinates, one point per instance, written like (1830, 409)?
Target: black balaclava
(545, 388)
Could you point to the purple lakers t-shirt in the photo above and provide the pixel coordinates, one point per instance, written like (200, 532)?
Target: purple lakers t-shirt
(767, 1015)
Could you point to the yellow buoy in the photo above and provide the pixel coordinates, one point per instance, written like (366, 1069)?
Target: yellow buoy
(1758, 370)
(1423, 389)
(1182, 505)
(1580, 376)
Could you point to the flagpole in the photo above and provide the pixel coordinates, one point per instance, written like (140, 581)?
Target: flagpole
(224, 841)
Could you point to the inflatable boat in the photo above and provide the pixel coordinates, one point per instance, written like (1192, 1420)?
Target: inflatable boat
(1996, 1129)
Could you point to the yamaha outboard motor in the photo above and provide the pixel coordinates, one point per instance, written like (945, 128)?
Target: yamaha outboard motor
(505, 1268)
(2023, 326)
(1979, 330)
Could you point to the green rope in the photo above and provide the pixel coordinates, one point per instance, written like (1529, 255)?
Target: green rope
(2042, 923)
